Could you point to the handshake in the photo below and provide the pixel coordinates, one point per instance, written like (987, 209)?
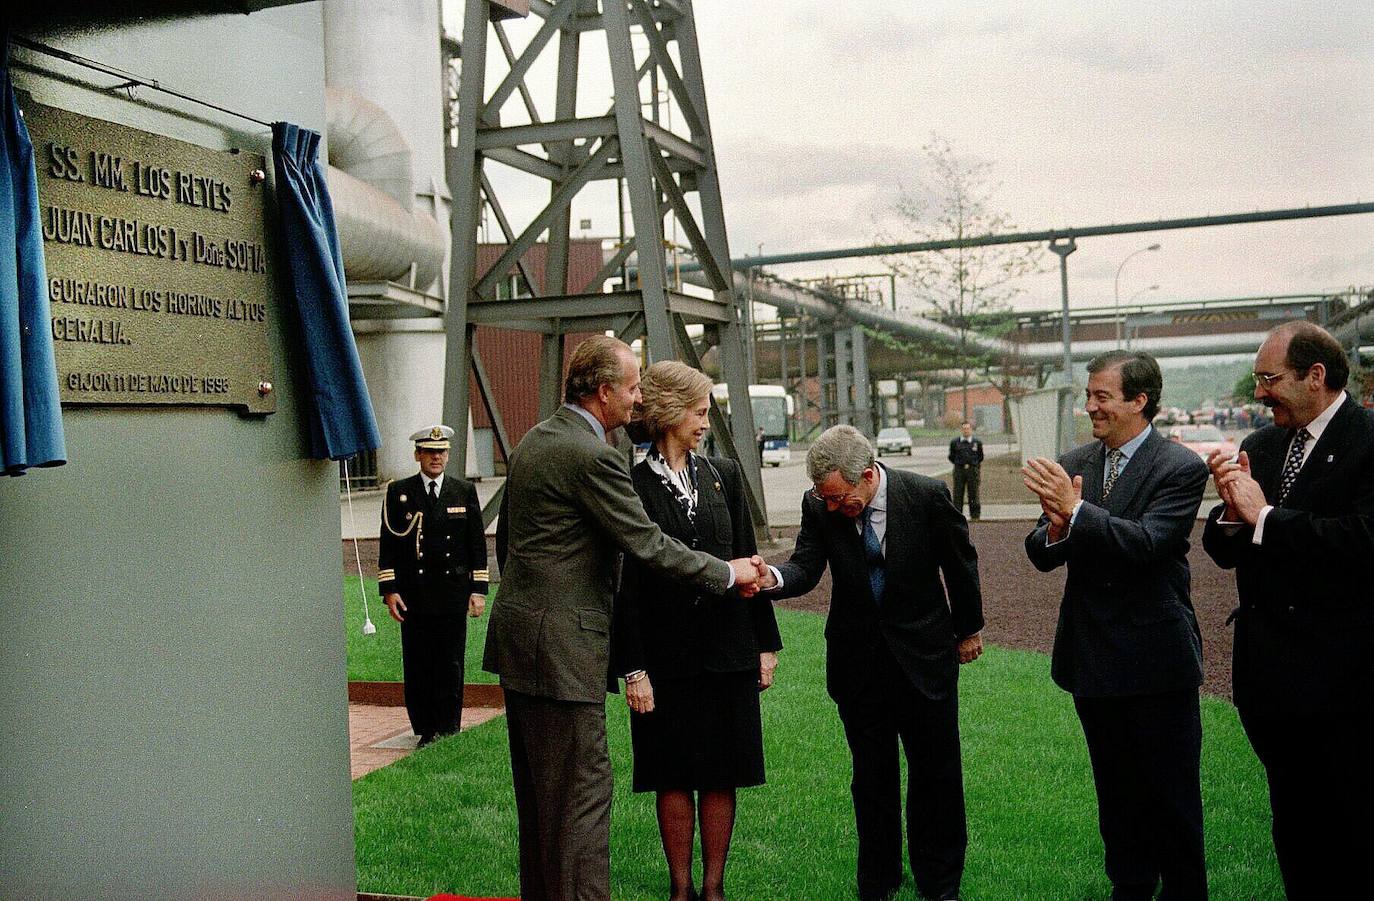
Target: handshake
(752, 575)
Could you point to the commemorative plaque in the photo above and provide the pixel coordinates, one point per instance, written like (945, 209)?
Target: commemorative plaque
(160, 280)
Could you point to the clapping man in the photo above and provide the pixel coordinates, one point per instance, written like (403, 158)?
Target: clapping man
(1296, 523)
(1118, 511)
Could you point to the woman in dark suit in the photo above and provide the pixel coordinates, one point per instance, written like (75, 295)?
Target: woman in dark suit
(693, 664)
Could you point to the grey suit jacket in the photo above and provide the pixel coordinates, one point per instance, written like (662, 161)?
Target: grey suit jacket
(568, 511)
(1126, 624)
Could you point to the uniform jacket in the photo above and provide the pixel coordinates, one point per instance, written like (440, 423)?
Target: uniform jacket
(962, 453)
(1126, 624)
(926, 538)
(433, 557)
(568, 512)
(1305, 628)
(675, 629)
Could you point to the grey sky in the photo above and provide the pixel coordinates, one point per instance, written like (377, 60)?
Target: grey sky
(1090, 112)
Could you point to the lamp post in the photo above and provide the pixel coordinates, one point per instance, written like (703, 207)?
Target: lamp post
(1130, 301)
(1062, 248)
(1116, 291)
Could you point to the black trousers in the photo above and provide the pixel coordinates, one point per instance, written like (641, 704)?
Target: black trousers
(1146, 754)
(968, 476)
(889, 710)
(562, 773)
(432, 646)
(1321, 791)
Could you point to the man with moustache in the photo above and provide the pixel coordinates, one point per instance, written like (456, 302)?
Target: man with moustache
(569, 510)
(1117, 512)
(1296, 523)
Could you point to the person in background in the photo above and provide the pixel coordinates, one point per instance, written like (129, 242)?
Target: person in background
(693, 663)
(966, 453)
(432, 574)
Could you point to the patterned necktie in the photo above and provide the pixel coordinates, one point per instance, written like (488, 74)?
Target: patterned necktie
(1290, 469)
(1114, 457)
(873, 554)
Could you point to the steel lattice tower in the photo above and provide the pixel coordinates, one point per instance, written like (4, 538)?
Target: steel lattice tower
(661, 169)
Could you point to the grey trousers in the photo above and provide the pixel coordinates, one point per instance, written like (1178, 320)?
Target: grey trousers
(562, 772)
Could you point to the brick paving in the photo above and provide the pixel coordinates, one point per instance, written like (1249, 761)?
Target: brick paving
(379, 736)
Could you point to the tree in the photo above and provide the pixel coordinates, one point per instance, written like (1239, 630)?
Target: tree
(1244, 391)
(954, 201)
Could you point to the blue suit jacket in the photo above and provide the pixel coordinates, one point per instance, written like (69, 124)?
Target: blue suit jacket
(1126, 624)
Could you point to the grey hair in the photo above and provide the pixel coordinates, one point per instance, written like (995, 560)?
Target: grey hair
(841, 448)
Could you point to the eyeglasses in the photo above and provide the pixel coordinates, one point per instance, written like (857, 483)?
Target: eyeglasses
(1268, 380)
(835, 499)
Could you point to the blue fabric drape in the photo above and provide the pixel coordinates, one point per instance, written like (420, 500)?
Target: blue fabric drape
(341, 422)
(30, 408)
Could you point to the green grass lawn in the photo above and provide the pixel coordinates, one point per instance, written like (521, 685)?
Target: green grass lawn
(377, 657)
(443, 819)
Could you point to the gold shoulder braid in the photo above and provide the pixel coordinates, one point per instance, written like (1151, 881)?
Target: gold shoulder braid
(415, 523)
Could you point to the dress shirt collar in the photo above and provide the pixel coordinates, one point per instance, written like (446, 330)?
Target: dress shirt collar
(1318, 425)
(438, 482)
(877, 515)
(1130, 447)
(586, 414)
(879, 502)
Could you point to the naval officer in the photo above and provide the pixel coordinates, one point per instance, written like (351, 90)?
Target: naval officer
(432, 574)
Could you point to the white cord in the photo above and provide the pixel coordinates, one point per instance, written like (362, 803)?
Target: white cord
(368, 627)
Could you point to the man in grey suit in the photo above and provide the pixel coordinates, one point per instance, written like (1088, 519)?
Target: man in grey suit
(1117, 512)
(568, 512)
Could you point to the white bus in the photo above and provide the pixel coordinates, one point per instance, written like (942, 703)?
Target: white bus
(772, 407)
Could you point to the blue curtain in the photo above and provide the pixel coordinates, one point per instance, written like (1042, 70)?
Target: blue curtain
(30, 408)
(341, 419)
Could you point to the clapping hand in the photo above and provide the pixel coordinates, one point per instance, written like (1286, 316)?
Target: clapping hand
(1058, 493)
(1243, 496)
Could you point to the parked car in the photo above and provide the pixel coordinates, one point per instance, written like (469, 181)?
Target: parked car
(894, 440)
(1202, 439)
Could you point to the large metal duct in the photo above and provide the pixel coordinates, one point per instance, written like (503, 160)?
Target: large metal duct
(796, 299)
(370, 181)
(793, 299)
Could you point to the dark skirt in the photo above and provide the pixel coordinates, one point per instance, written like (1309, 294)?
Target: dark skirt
(704, 733)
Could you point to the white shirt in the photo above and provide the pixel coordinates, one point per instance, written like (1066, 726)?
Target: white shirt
(879, 515)
(1315, 429)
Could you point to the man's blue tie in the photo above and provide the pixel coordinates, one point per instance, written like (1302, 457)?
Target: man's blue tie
(873, 554)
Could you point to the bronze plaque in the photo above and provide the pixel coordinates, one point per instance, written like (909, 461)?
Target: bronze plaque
(159, 273)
